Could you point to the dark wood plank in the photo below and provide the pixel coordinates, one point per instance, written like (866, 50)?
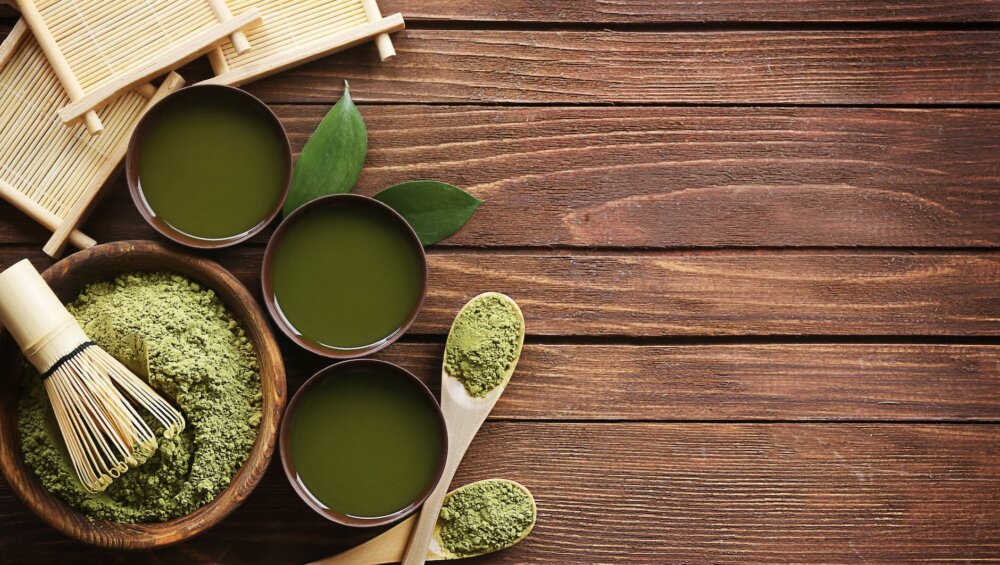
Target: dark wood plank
(734, 382)
(760, 67)
(658, 11)
(661, 493)
(714, 294)
(670, 177)
(727, 295)
(656, 177)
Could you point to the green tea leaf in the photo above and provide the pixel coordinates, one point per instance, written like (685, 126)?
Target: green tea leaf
(435, 210)
(331, 160)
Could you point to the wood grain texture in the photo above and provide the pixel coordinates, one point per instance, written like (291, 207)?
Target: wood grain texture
(696, 295)
(573, 67)
(659, 11)
(655, 11)
(654, 493)
(735, 382)
(670, 177)
(727, 295)
(665, 177)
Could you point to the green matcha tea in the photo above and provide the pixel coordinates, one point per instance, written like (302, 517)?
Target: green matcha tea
(346, 276)
(367, 442)
(212, 167)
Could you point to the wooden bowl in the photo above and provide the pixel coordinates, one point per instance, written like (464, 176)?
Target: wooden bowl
(67, 278)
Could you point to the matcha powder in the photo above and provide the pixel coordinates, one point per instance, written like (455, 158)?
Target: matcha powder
(484, 343)
(179, 335)
(485, 516)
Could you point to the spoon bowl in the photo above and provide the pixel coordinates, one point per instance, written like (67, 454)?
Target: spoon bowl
(454, 390)
(464, 415)
(389, 547)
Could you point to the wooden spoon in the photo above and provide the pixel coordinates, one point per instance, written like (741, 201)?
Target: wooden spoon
(464, 414)
(389, 547)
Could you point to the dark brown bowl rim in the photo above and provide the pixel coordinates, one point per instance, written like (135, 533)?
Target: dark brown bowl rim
(138, 139)
(148, 535)
(334, 371)
(268, 289)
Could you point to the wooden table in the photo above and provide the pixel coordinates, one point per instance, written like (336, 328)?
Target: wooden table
(759, 260)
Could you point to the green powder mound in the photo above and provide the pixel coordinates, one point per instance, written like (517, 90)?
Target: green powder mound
(484, 344)
(193, 352)
(485, 516)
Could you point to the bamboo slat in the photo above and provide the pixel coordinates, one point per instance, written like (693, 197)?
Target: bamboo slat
(297, 31)
(101, 49)
(49, 171)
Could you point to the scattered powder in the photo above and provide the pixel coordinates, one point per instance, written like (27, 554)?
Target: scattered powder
(485, 516)
(484, 343)
(180, 336)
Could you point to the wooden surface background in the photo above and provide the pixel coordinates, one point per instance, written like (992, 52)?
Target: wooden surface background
(757, 245)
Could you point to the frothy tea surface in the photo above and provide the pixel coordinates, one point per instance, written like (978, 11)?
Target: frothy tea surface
(346, 276)
(212, 167)
(365, 443)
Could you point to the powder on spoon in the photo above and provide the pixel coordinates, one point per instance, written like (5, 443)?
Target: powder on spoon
(485, 516)
(194, 353)
(484, 343)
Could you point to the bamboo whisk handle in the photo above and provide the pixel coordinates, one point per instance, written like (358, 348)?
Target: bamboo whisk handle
(35, 317)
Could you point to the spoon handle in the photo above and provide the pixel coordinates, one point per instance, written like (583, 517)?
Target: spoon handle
(461, 430)
(416, 549)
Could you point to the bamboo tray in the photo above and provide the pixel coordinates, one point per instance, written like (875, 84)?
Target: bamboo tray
(102, 48)
(298, 31)
(49, 171)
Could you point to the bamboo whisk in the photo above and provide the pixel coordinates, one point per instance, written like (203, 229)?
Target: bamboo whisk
(102, 430)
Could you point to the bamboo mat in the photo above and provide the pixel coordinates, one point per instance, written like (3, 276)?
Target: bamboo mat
(53, 172)
(49, 171)
(101, 48)
(297, 31)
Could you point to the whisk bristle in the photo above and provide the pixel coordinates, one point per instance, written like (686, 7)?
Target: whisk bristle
(104, 433)
(140, 392)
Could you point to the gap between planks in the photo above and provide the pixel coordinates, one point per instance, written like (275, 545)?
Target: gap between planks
(699, 340)
(695, 27)
(481, 104)
(609, 251)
